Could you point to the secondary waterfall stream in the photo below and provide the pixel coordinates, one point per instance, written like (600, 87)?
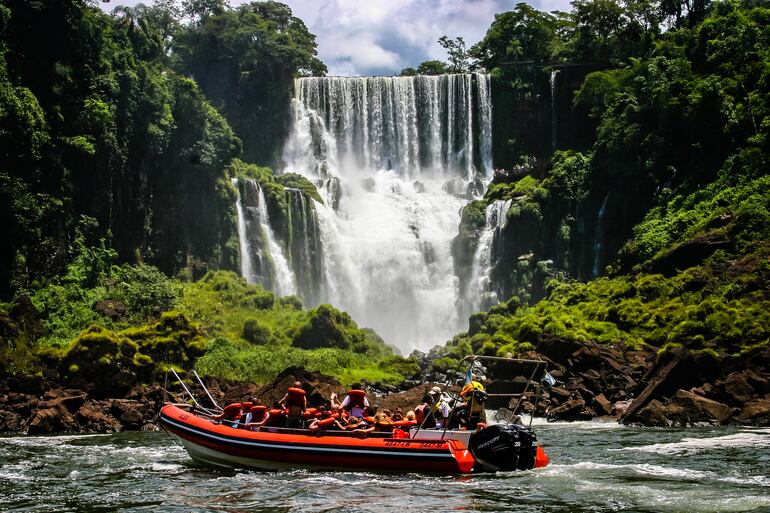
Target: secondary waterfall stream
(394, 159)
(479, 295)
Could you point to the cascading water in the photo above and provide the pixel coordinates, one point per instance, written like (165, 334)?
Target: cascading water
(598, 239)
(554, 114)
(478, 295)
(243, 241)
(395, 159)
(284, 280)
(258, 243)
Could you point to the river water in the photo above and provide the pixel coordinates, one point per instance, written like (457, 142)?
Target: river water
(594, 467)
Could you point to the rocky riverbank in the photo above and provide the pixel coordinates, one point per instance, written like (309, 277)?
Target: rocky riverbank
(677, 387)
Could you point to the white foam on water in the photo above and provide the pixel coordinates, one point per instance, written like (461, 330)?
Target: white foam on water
(582, 425)
(690, 445)
(46, 441)
(598, 480)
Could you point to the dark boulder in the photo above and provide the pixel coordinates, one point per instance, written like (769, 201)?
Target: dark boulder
(95, 420)
(111, 309)
(674, 370)
(741, 387)
(603, 404)
(756, 412)
(50, 420)
(574, 409)
(317, 386)
(132, 419)
(689, 253)
(557, 349)
(685, 408)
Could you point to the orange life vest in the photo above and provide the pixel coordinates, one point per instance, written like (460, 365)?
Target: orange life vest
(230, 412)
(295, 397)
(258, 413)
(357, 399)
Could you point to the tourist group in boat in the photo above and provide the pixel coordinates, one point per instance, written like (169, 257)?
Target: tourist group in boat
(356, 415)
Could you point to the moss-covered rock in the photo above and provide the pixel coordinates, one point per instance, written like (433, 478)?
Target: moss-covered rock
(328, 327)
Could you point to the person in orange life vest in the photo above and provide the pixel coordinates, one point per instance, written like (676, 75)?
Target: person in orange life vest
(258, 417)
(295, 403)
(355, 402)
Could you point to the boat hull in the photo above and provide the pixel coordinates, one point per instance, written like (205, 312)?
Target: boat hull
(224, 446)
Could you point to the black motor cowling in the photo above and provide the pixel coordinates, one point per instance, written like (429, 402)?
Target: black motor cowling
(504, 447)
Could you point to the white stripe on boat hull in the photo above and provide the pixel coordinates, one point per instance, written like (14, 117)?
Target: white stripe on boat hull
(209, 456)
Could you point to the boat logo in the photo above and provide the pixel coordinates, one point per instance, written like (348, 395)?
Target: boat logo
(489, 442)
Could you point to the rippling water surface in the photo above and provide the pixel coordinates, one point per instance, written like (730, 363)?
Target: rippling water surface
(594, 467)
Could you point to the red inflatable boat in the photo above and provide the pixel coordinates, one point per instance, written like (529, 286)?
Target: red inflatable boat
(498, 447)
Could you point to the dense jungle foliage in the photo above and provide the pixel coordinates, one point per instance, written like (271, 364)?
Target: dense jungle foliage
(670, 198)
(116, 153)
(633, 136)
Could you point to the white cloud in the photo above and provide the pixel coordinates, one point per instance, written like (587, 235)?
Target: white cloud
(368, 37)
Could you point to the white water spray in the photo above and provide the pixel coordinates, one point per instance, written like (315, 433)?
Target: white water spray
(405, 154)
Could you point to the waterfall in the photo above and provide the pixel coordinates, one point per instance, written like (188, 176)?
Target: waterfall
(305, 247)
(554, 118)
(257, 241)
(243, 241)
(395, 159)
(478, 295)
(598, 239)
(284, 280)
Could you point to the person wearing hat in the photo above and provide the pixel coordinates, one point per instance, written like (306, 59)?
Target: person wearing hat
(434, 409)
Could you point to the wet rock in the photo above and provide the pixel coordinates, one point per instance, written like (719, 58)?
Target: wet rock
(675, 370)
(687, 408)
(317, 386)
(603, 404)
(574, 409)
(419, 187)
(150, 427)
(93, 420)
(557, 349)
(741, 387)
(48, 421)
(755, 412)
(652, 414)
(66, 400)
(621, 406)
(10, 422)
(132, 419)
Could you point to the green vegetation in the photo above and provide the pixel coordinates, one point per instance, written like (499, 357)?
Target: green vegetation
(721, 305)
(219, 324)
(669, 195)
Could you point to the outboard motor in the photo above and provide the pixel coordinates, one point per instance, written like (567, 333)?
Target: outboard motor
(528, 451)
(504, 447)
(496, 448)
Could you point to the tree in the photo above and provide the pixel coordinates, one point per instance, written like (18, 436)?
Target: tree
(408, 72)
(245, 61)
(523, 33)
(458, 55)
(432, 68)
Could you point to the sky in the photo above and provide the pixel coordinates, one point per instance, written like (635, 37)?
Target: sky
(381, 37)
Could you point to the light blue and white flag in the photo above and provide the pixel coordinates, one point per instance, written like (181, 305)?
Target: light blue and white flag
(548, 379)
(469, 376)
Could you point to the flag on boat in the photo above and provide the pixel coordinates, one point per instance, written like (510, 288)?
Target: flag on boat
(469, 376)
(548, 379)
